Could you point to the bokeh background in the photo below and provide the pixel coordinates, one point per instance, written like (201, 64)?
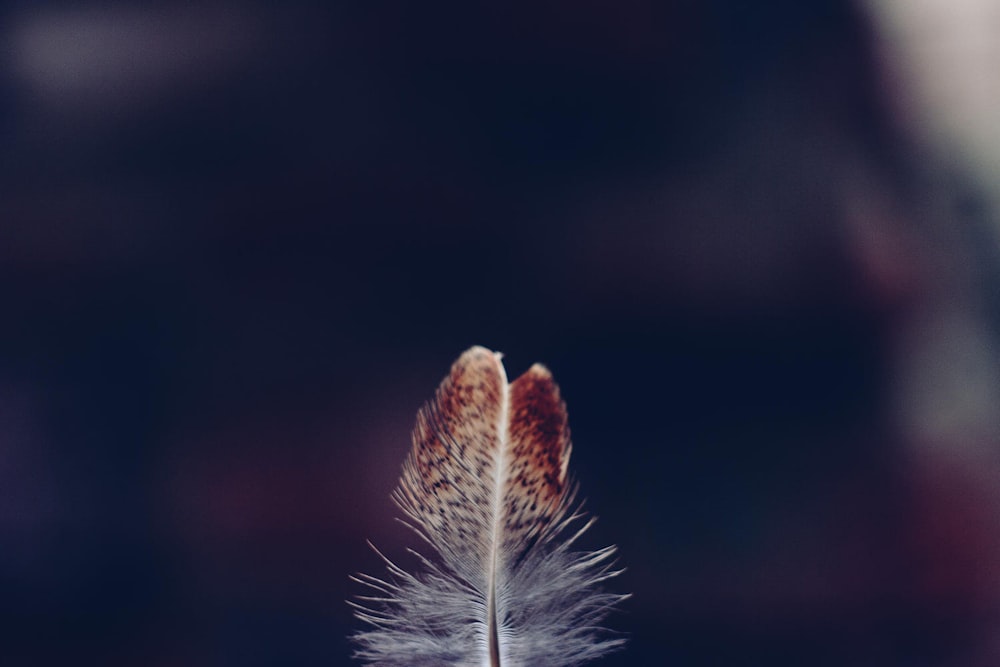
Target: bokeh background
(241, 243)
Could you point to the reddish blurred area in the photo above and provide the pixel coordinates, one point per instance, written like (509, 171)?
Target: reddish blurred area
(241, 242)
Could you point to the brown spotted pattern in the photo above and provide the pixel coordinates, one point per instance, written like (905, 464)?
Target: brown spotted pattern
(449, 477)
(539, 448)
(488, 463)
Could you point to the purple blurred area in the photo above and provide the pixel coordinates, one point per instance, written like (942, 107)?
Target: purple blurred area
(241, 243)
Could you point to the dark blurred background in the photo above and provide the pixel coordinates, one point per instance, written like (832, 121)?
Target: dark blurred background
(241, 243)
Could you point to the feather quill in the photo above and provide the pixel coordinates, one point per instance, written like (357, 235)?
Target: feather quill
(486, 486)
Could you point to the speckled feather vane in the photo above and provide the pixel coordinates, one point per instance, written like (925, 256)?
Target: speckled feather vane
(486, 485)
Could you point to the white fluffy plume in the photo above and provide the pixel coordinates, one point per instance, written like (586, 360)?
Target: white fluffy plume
(486, 485)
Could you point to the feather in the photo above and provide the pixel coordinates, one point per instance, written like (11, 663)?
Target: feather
(486, 486)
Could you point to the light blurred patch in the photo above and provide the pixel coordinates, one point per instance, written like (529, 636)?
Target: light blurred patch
(949, 386)
(942, 64)
(114, 56)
